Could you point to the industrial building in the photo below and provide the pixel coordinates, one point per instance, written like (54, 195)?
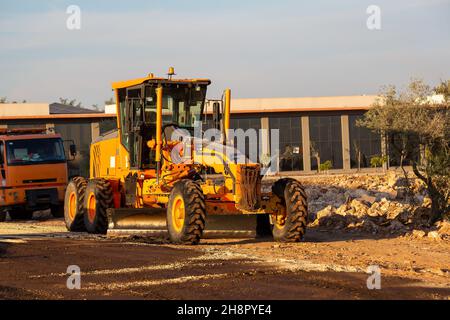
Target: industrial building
(311, 129)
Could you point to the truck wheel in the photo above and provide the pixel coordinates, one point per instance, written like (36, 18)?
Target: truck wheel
(57, 211)
(2, 216)
(186, 213)
(74, 205)
(289, 225)
(20, 214)
(98, 198)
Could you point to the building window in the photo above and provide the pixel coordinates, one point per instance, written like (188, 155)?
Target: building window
(290, 147)
(364, 144)
(246, 123)
(326, 140)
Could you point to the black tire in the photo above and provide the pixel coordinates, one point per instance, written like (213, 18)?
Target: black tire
(293, 226)
(74, 205)
(98, 198)
(189, 229)
(57, 211)
(263, 226)
(2, 216)
(17, 214)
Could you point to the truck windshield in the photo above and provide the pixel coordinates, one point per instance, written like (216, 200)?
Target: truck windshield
(35, 151)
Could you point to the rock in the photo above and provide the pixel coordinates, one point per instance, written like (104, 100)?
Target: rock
(427, 202)
(326, 212)
(374, 210)
(398, 213)
(394, 180)
(343, 210)
(356, 193)
(384, 205)
(396, 226)
(391, 194)
(421, 216)
(360, 208)
(444, 228)
(434, 235)
(369, 226)
(371, 203)
(419, 198)
(402, 194)
(367, 199)
(335, 220)
(418, 234)
(391, 179)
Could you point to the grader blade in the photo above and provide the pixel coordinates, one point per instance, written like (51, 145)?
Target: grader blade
(153, 221)
(137, 219)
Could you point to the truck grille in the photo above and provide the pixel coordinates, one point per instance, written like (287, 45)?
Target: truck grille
(39, 180)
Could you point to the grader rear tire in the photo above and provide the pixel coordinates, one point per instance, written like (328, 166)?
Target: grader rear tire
(290, 226)
(186, 213)
(74, 205)
(98, 198)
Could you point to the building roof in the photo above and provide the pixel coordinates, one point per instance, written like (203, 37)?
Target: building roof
(40, 111)
(58, 108)
(23, 109)
(342, 103)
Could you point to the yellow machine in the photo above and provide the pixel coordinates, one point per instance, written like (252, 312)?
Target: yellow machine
(140, 170)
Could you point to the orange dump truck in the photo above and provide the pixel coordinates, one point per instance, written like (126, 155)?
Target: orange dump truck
(33, 173)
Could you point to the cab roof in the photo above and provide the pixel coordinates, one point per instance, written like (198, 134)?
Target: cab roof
(26, 134)
(152, 79)
(29, 136)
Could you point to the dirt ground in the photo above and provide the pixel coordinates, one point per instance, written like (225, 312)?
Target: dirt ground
(35, 255)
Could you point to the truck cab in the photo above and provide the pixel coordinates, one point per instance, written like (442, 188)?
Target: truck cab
(33, 173)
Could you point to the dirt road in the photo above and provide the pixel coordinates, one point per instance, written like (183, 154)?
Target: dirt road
(34, 258)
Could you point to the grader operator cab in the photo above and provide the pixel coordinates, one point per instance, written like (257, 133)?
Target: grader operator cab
(150, 166)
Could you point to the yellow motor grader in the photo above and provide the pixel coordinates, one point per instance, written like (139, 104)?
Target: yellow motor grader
(140, 170)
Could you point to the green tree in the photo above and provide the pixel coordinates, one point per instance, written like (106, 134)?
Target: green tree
(444, 89)
(326, 166)
(110, 101)
(70, 102)
(3, 100)
(409, 117)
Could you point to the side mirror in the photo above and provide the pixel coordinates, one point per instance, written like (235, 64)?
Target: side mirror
(217, 115)
(73, 150)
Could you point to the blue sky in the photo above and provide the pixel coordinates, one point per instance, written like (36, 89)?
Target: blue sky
(257, 48)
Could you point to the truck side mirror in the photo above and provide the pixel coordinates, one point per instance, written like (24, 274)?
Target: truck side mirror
(73, 150)
(217, 116)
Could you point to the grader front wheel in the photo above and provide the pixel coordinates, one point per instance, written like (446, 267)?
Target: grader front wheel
(98, 198)
(289, 225)
(186, 213)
